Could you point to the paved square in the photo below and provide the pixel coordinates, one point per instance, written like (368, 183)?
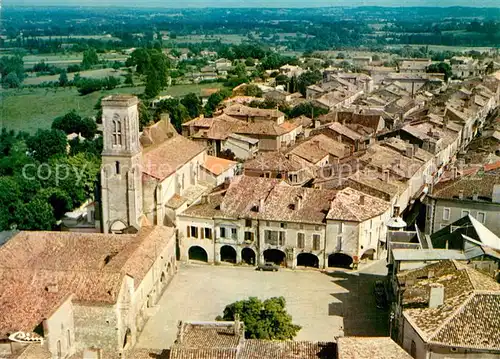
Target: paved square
(325, 305)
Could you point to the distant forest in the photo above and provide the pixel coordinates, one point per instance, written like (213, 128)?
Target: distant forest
(47, 29)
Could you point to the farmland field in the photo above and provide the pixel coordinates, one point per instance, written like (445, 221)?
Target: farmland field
(64, 60)
(31, 109)
(97, 74)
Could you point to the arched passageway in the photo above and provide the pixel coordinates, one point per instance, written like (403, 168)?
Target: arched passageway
(198, 254)
(227, 254)
(274, 255)
(248, 256)
(339, 260)
(369, 254)
(308, 260)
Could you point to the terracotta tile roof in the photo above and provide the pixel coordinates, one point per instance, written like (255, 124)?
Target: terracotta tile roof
(157, 133)
(315, 148)
(352, 205)
(343, 130)
(217, 165)
(160, 161)
(243, 200)
(401, 146)
(272, 161)
(289, 126)
(467, 318)
(385, 158)
(305, 121)
(369, 348)
(89, 266)
(264, 349)
(482, 185)
(242, 110)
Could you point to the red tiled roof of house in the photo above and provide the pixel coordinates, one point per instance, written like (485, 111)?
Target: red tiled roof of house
(217, 165)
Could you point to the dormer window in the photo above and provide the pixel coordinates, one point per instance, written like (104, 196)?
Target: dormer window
(117, 132)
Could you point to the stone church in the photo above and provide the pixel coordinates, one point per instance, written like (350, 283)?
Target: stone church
(148, 178)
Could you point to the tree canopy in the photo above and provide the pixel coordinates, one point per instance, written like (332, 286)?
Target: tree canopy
(266, 319)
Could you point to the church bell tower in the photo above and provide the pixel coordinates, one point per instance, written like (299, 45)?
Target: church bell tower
(121, 182)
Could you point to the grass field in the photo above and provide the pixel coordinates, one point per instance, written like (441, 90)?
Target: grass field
(224, 38)
(68, 58)
(31, 109)
(96, 74)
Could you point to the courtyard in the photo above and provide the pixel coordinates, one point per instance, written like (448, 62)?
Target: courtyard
(324, 304)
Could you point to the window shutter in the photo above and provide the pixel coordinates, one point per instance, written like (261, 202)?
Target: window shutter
(202, 233)
(188, 231)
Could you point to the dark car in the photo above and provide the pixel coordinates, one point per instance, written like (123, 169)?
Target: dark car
(380, 294)
(268, 266)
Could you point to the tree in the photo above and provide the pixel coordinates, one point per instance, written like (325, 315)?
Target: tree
(87, 128)
(266, 319)
(193, 104)
(308, 78)
(253, 90)
(250, 62)
(145, 116)
(90, 59)
(9, 201)
(11, 81)
(153, 87)
(178, 113)
(214, 101)
(47, 143)
(69, 123)
(441, 68)
(59, 200)
(35, 215)
(12, 64)
(63, 78)
(129, 79)
(307, 109)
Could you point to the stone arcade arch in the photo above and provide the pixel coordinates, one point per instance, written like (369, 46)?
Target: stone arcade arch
(197, 253)
(275, 255)
(339, 260)
(308, 260)
(248, 256)
(368, 254)
(228, 254)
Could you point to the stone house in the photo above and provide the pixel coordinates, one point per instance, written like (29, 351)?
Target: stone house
(319, 151)
(216, 171)
(83, 291)
(258, 220)
(476, 194)
(243, 147)
(447, 310)
(414, 66)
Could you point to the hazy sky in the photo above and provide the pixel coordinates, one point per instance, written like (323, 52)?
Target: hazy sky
(254, 3)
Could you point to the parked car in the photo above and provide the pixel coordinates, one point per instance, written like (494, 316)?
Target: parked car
(268, 266)
(380, 294)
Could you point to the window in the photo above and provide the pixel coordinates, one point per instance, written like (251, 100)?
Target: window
(223, 232)
(283, 225)
(208, 233)
(193, 232)
(413, 350)
(446, 214)
(249, 236)
(248, 222)
(301, 240)
(234, 233)
(271, 237)
(117, 167)
(282, 238)
(117, 132)
(59, 350)
(316, 242)
(465, 212)
(481, 217)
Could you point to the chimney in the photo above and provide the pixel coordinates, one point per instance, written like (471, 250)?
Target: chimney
(317, 123)
(298, 202)
(436, 295)
(362, 200)
(415, 148)
(495, 197)
(386, 175)
(261, 205)
(410, 151)
(52, 288)
(461, 194)
(165, 117)
(204, 199)
(180, 332)
(237, 324)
